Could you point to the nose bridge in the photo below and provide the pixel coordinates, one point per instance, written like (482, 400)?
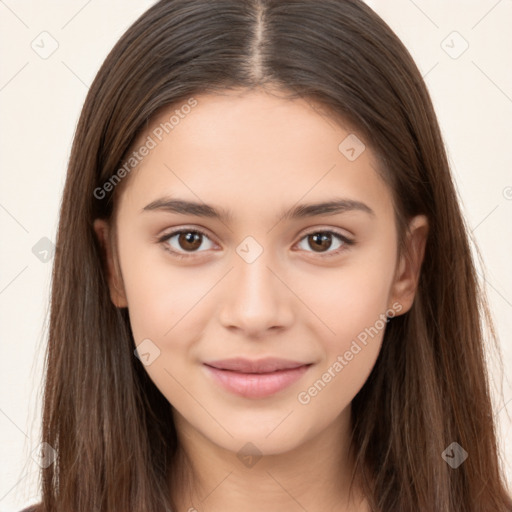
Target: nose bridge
(256, 299)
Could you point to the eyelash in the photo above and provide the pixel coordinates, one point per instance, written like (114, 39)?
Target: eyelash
(347, 242)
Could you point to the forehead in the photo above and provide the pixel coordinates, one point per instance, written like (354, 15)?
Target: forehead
(251, 150)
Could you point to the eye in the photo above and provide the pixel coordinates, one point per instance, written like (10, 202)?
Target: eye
(189, 240)
(186, 241)
(321, 242)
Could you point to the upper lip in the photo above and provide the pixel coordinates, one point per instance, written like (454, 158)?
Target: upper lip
(266, 365)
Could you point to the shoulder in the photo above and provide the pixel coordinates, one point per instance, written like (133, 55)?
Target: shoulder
(32, 508)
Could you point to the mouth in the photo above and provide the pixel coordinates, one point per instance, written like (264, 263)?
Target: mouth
(256, 379)
(266, 365)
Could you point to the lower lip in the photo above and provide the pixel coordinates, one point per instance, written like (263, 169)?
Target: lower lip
(257, 385)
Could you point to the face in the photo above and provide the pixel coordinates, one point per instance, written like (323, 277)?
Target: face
(254, 270)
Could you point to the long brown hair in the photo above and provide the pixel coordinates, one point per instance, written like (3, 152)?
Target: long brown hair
(111, 427)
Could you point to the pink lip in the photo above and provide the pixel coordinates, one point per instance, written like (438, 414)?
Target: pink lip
(257, 385)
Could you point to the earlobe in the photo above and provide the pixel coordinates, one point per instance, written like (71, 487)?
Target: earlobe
(116, 288)
(409, 268)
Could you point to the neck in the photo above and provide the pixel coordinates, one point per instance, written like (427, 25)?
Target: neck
(315, 476)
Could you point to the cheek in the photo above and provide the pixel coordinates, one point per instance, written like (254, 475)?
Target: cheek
(351, 298)
(355, 313)
(356, 308)
(362, 303)
(337, 381)
(162, 297)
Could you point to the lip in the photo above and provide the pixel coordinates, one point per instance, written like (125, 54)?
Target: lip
(278, 375)
(265, 365)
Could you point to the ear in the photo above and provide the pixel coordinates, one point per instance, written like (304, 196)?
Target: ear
(115, 281)
(407, 273)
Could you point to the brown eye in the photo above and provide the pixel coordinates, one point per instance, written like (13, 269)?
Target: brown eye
(321, 241)
(184, 241)
(189, 240)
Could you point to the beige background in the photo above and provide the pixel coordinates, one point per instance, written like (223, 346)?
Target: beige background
(40, 100)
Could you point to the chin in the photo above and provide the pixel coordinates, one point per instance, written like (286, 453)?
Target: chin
(261, 439)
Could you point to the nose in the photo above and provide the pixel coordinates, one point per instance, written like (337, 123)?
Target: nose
(256, 298)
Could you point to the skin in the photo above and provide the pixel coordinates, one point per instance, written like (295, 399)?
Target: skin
(256, 155)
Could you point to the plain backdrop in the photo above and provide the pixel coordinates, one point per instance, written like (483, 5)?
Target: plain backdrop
(462, 49)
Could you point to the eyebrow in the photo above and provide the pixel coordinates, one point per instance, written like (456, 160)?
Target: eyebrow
(332, 207)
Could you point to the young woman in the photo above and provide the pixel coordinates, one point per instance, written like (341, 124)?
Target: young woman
(263, 295)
